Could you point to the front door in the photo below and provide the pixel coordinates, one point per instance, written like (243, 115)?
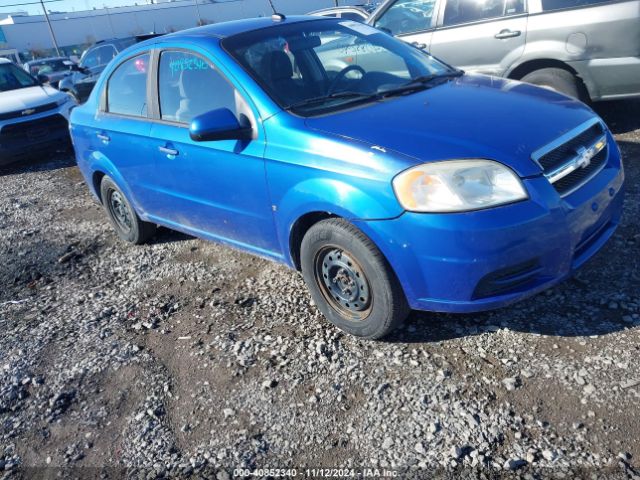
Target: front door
(484, 37)
(215, 188)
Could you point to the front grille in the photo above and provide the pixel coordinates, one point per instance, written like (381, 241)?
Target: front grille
(33, 130)
(578, 177)
(31, 111)
(507, 280)
(567, 150)
(573, 159)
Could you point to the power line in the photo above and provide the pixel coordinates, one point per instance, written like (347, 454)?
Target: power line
(24, 4)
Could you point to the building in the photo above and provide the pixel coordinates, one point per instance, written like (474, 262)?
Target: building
(29, 33)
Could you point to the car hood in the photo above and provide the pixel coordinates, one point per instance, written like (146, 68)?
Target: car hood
(54, 76)
(473, 116)
(30, 97)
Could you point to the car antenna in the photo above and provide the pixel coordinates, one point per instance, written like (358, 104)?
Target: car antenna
(276, 17)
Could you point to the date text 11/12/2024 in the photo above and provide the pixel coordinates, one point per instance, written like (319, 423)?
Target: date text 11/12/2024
(316, 472)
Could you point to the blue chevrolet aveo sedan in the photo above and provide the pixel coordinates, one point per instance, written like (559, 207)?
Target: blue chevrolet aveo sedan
(391, 180)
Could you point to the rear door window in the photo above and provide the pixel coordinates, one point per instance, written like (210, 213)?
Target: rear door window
(458, 12)
(99, 56)
(127, 88)
(407, 16)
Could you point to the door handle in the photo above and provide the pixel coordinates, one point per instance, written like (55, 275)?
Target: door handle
(419, 46)
(507, 34)
(169, 151)
(102, 137)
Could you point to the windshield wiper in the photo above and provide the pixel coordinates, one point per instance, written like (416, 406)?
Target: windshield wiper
(418, 83)
(325, 98)
(434, 76)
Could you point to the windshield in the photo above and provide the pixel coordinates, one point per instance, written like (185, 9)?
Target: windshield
(315, 66)
(12, 78)
(49, 66)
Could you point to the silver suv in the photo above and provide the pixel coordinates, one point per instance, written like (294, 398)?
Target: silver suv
(589, 49)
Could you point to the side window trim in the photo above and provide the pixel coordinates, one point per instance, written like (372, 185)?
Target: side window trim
(103, 109)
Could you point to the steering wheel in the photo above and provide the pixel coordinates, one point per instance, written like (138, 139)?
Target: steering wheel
(341, 74)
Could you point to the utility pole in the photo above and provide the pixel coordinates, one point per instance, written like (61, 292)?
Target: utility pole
(198, 12)
(113, 33)
(53, 35)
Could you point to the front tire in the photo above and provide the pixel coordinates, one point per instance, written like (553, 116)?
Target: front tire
(350, 281)
(123, 217)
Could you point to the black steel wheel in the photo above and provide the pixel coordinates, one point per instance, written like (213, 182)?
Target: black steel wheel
(350, 281)
(343, 282)
(119, 210)
(123, 217)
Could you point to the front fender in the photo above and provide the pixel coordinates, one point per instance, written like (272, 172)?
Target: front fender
(328, 195)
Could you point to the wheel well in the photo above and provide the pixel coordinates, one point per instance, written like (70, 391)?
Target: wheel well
(531, 66)
(300, 228)
(97, 180)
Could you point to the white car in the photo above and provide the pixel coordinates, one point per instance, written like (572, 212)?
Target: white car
(33, 117)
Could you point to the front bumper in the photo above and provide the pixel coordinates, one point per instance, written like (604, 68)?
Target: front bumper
(24, 137)
(481, 260)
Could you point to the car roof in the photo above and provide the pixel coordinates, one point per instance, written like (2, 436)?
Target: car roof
(235, 27)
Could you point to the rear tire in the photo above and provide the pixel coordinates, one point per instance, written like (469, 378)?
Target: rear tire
(123, 217)
(350, 281)
(560, 80)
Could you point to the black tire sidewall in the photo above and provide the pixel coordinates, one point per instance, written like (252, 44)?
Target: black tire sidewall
(107, 187)
(558, 79)
(388, 307)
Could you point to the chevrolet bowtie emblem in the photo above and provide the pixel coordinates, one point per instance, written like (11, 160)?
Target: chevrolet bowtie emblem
(584, 156)
(28, 111)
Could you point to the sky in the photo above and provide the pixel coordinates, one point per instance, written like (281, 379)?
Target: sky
(33, 6)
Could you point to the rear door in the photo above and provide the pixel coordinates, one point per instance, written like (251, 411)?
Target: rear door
(121, 128)
(410, 20)
(485, 37)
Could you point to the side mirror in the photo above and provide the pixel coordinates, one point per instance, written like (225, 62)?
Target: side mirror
(220, 124)
(43, 78)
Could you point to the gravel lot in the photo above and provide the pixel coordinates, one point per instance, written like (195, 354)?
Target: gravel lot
(185, 357)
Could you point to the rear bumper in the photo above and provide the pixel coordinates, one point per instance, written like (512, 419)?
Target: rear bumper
(488, 259)
(610, 78)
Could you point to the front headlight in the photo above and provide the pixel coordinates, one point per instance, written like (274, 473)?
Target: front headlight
(457, 186)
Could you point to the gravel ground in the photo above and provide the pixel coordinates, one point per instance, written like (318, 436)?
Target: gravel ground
(184, 357)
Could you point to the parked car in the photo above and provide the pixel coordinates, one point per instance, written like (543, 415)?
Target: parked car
(52, 69)
(92, 63)
(424, 188)
(33, 117)
(358, 13)
(588, 49)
